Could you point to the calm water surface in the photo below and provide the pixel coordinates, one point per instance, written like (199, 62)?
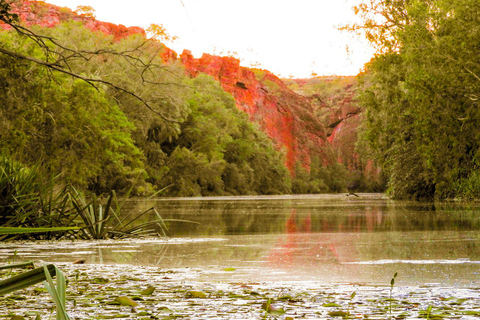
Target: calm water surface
(328, 238)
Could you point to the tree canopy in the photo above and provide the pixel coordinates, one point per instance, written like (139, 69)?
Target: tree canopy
(421, 95)
(106, 114)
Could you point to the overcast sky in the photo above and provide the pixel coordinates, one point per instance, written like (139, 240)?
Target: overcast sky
(289, 38)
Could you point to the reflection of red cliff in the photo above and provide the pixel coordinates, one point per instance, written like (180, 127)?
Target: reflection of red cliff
(299, 247)
(329, 241)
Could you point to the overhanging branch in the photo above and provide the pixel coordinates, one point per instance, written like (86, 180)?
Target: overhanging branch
(90, 81)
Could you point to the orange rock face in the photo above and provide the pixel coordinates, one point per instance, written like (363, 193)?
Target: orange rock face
(285, 116)
(47, 15)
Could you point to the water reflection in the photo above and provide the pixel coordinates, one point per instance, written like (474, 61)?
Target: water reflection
(326, 238)
(332, 213)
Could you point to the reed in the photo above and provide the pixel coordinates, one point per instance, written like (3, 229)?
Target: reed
(32, 206)
(104, 219)
(37, 275)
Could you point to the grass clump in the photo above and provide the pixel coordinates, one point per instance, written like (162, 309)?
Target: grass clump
(34, 207)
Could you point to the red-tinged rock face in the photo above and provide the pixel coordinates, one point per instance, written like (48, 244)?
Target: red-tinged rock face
(47, 15)
(284, 115)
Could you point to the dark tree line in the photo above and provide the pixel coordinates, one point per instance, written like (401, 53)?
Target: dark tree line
(421, 95)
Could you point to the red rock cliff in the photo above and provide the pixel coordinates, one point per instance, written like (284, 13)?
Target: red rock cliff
(285, 116)
(47, 15)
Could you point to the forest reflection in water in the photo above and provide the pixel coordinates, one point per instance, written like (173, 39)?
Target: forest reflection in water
(330, 238)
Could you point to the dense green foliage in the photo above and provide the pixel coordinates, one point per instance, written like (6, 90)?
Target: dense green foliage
(190, 139)
(220, 151)
(421, 95)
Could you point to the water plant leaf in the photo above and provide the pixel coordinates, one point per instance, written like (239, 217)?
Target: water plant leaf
(392, 282)
(58, 293)
(196, 294)
(148, 292)
(18, 265)
(403, 315)
(125, 301)
(459, 302)
(331, 305)
(470, 312)
(278, 311)
(25, 279)
(100, 280)
(24, 230)
(15, 317)
(229, 269)
(270, 308)
(338, 314)
(165, 310)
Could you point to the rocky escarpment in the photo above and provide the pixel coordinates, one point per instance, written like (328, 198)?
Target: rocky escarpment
(288, 118)
(303, 124)
(48, 15)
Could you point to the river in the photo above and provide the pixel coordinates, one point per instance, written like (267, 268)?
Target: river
(325, 238)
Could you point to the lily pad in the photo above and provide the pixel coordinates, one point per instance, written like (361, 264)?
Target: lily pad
(338, 314)
(331, 305)
(229, 269)
(196, 294)
(148, 292)
(100, 280)
(125, 301)
(270, 308)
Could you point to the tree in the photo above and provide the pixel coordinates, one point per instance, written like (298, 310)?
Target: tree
(63, 103)
(218, 150)
(420, 94)
(158, 32)
(59, 57)
(75, 131)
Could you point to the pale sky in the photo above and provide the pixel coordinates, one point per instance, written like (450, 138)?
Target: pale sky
(287, 37)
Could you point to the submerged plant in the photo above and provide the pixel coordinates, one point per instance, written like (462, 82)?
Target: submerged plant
(392, 283)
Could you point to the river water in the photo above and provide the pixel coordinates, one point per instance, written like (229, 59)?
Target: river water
(325, 238)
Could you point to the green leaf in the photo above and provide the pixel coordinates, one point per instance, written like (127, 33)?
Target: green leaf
(229, 269)
(22, 230)
(331, 305)
(148, 292)
(338, 314)
(18, 265)
(100, 280)
(25, 279)
(165, 310)
(58, 293)
(125, 301)
(196, 294)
